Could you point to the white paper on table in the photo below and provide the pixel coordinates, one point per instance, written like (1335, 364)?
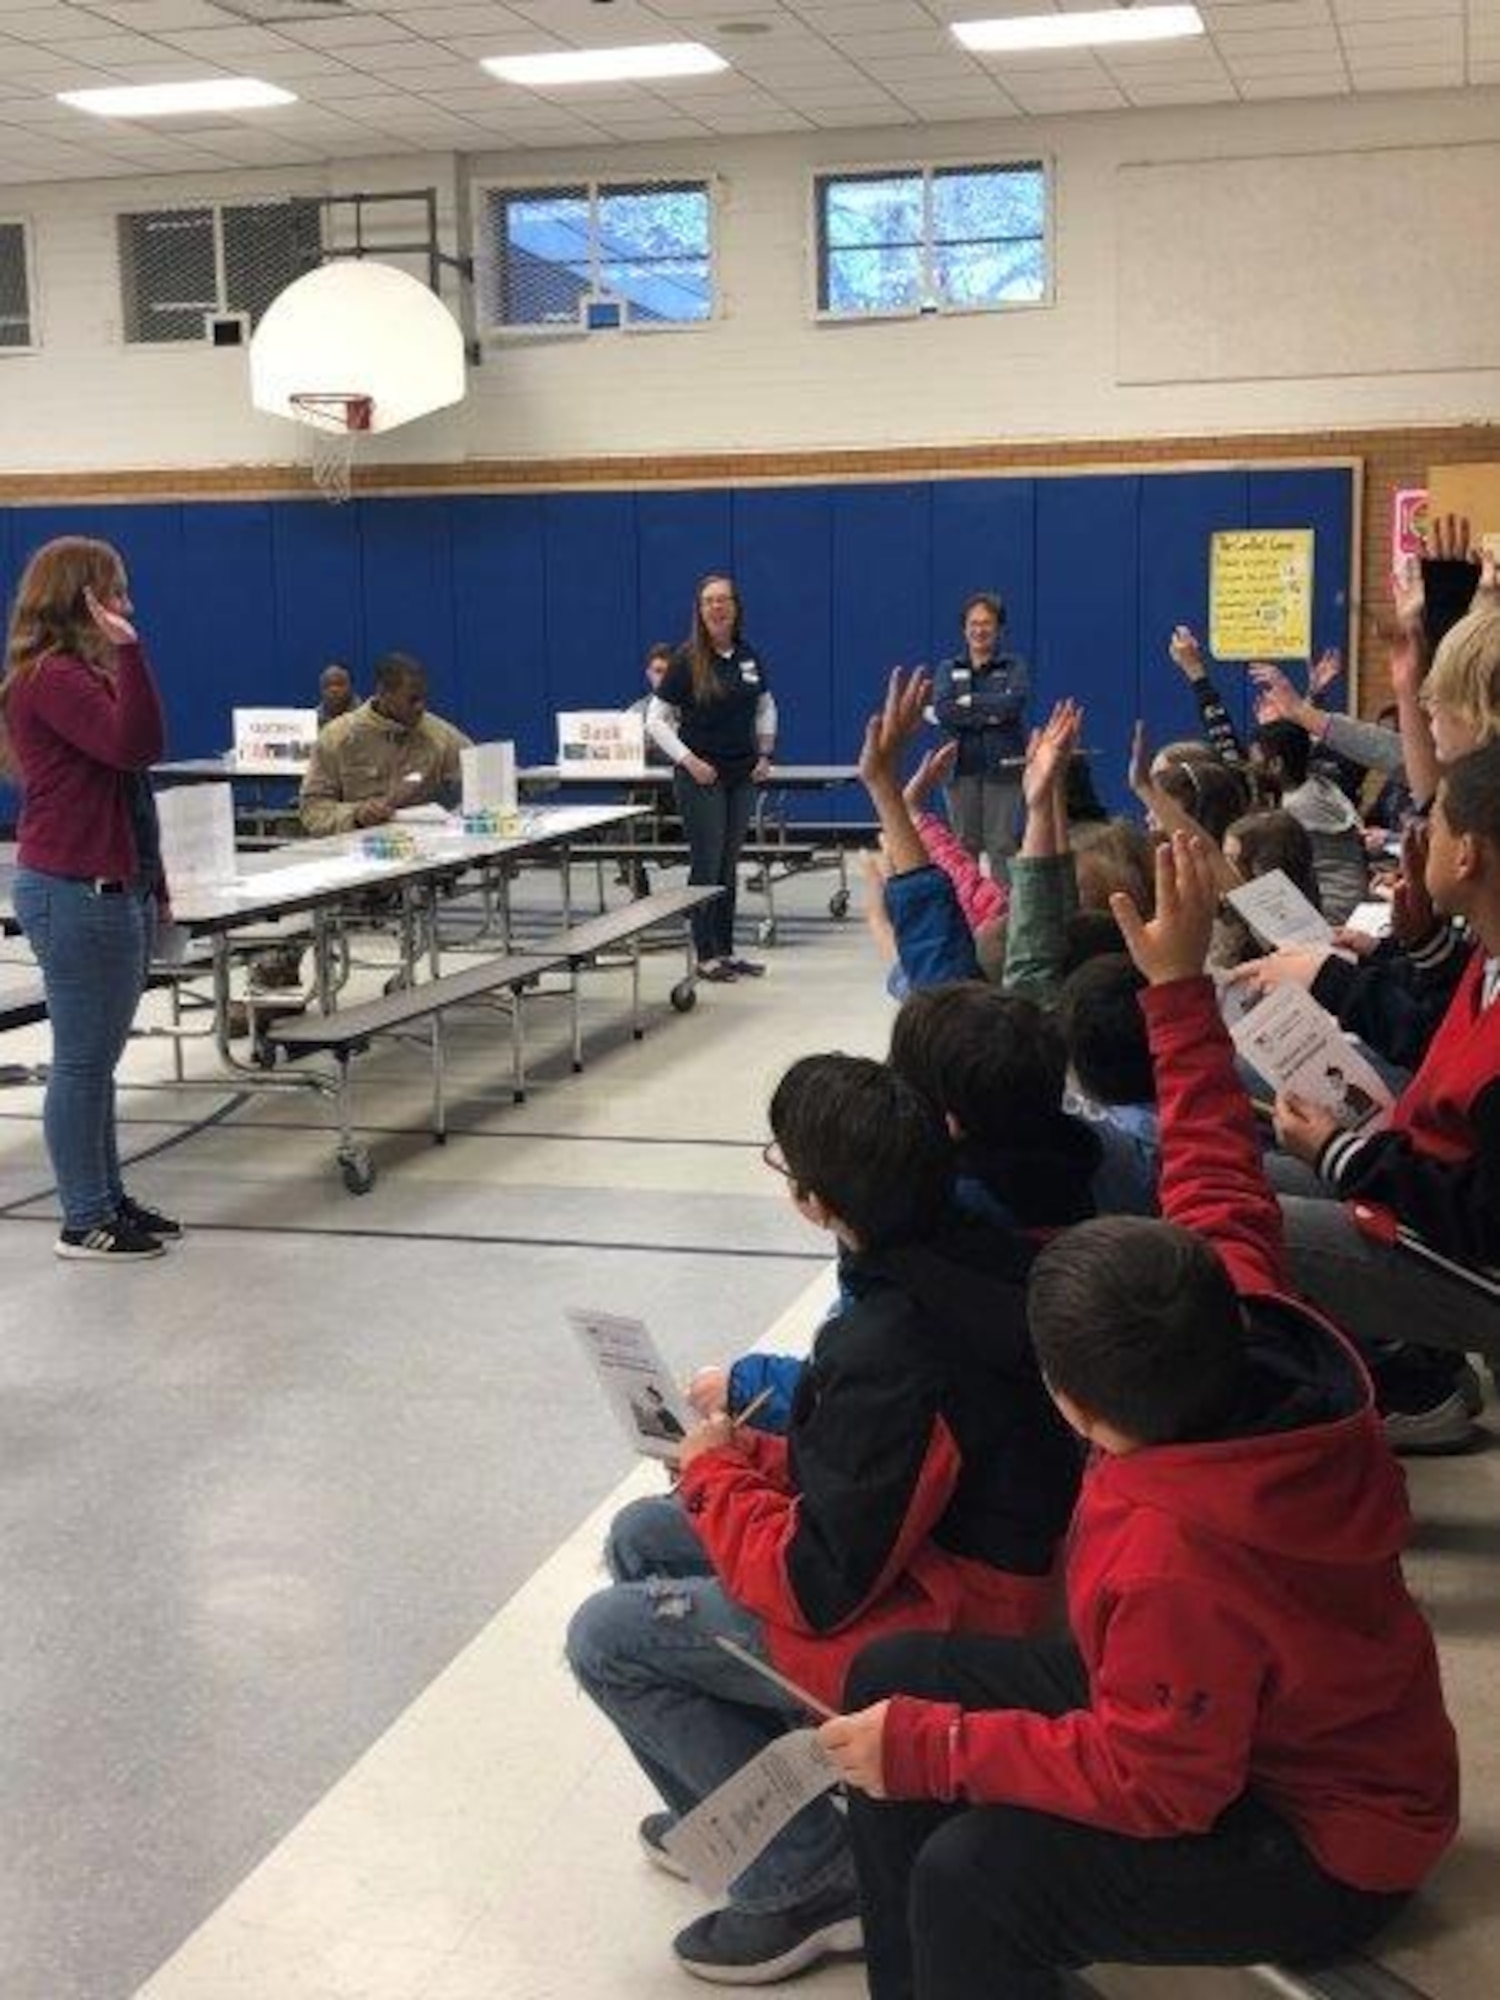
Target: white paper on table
(636, 1381)
(1374, 919)
(723, 1834)
(196, 825)
(274, 739)
(1299, 1047)
(489, 777)
(428, 815)
(1278, 912)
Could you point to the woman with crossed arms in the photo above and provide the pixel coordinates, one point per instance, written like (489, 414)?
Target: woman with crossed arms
(714, 717)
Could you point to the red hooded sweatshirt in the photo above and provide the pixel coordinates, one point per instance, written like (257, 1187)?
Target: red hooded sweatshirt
(1239, 1602)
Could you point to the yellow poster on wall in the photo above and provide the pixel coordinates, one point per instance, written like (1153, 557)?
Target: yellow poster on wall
(1260, 594)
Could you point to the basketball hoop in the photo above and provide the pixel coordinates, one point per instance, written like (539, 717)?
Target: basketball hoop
(336, 420)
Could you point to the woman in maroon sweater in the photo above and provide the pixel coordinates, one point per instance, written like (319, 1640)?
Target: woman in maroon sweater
(83, 723)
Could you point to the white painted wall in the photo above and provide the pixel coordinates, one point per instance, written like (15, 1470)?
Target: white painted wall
(764, 375)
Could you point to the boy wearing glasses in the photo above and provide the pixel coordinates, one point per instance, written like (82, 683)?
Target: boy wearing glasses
(924, 1484)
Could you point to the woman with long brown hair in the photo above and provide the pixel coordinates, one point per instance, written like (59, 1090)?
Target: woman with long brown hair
(83, 723)
(714, 716)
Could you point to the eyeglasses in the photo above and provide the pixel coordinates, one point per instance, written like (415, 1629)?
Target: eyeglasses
(771, 1153)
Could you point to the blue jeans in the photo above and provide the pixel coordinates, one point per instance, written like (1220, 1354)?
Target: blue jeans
(689, 1712)
(714, 818)
(93, 952)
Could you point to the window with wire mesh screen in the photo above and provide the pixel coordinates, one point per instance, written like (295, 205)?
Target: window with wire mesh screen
(17, 318)
(931, 239)
(177, 265)
(549, 251)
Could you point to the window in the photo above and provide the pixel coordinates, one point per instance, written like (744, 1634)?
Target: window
(646, 243)
(931, 239)
(177, 264)
(16, 317)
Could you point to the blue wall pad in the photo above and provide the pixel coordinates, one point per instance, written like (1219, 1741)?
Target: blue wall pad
(523, 604)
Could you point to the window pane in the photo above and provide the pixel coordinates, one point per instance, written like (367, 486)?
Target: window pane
(971, 204)
(989, 274)
(15, 306)
(667, 290)
(266, 246)
(875, 280)
(884, 208)
(647, 222)
(654, 250)
(167, 276)
(545, 261)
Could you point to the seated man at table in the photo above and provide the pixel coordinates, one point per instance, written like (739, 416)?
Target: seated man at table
(385, 754)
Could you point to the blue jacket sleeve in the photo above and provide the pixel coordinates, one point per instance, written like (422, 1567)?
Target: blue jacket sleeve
(934, 941)
(752, 1374)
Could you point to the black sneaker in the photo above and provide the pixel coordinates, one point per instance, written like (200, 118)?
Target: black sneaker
(733, 1947)
(147, 1221)
(652, 1833)
(1443, 1428)
(747, 968)
(106, 1243)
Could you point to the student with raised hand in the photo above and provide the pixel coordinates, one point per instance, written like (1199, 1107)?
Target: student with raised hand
(1435, 1167)
(925, 1483)
(1242, 1755)
(1218, 729)
(714, 716)
(83, 725)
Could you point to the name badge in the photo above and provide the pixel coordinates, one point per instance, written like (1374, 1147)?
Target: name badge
(962, 673)
(750, 673)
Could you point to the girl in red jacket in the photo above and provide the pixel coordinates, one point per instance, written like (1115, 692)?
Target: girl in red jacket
(1242, 1754)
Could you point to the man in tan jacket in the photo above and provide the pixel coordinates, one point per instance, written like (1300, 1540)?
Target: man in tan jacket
(385, 754)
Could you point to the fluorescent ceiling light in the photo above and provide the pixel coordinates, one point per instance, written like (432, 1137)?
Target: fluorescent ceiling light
(628, 65)
(157, 100)
(1074, 31)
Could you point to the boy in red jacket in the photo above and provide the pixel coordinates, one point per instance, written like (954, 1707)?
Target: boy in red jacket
(1244, 1754)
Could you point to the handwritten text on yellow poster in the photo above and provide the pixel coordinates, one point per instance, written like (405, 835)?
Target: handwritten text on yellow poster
(1260, 594)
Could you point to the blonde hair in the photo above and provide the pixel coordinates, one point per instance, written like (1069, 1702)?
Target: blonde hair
(1465, 673)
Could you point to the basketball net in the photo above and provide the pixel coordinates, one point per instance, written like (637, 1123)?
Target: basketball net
(336, 422)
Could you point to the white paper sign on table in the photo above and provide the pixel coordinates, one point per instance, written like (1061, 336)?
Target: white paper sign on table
(1278, 912)
(637, 1382)
(1299, 1047)
(602, 742)
(197, 837)
(274, 739)
(723, 1834)
(489, 777)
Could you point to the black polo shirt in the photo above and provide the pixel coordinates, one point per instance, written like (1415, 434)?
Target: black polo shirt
(721, 730)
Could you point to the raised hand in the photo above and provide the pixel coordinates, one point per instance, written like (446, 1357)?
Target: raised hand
(1412, 913)
(935, 769)
(1049, 751)
(1407, 661)
(1408, 594)
(1138, 772)
(1174, 943)
(1276, 699)
(1447, 539)
(1185, 653)
(1324, 671)
(887, 733)
(110, 619)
